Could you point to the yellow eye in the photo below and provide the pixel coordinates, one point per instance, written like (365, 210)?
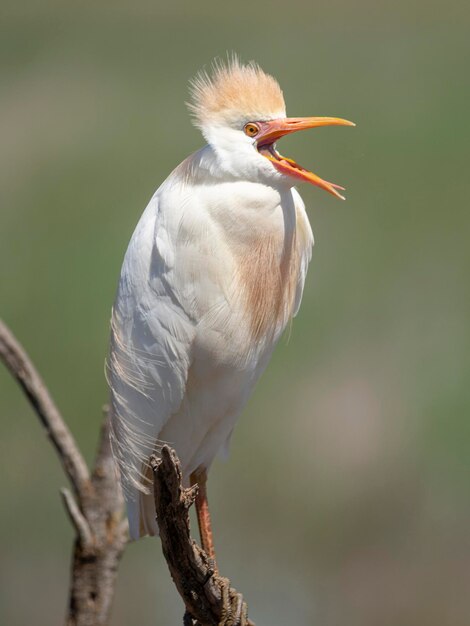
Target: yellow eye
(251, 129)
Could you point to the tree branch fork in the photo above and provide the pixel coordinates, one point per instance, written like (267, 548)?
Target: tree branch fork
(94, 506)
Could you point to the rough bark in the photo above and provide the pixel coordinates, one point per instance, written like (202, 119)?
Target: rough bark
(95, 507)
(208, 597)
(99, 544)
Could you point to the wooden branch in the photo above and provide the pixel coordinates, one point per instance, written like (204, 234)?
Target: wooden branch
(17, 361)
(102, 534)
(95, 563)
(77, 518)
(95, 511)
(208, 597)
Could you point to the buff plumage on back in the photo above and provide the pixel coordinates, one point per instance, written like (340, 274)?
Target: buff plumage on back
(232, 90)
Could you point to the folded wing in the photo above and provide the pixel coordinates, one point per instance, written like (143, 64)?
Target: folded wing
(150, 354)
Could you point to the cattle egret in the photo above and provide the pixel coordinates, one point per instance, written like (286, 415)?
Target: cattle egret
(213, 273)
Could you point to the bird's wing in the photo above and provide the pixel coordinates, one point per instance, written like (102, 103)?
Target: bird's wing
(150, 353)
(305, 242)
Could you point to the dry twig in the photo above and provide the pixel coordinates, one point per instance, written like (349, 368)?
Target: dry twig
(21, 367)
(208, 597)
(96, 509)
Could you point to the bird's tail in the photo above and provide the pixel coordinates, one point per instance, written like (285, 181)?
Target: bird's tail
(141, 515)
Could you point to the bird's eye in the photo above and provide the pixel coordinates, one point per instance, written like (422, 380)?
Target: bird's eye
(251, 129)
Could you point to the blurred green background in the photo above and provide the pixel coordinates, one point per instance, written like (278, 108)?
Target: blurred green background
(346, 498)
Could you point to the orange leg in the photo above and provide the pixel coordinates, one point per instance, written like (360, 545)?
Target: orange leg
(199, 477)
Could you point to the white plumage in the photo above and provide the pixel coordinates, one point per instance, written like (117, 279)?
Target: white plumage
(213, 273)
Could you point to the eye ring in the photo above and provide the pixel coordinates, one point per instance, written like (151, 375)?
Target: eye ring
(251, 129)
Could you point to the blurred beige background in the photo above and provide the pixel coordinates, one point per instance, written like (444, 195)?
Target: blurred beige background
(346, 497)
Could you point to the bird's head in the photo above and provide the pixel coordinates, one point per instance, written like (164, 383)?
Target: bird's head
(241, 112)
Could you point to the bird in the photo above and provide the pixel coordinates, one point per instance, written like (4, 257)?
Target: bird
(213, 274)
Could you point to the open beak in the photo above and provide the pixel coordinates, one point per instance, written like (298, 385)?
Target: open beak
(271, 131)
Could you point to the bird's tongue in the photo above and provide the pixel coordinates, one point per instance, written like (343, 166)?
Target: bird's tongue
(291, 168)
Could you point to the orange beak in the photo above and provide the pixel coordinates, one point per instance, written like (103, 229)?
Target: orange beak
(274, 129)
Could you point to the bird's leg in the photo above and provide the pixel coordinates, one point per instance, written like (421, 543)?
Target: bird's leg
(199, 477)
